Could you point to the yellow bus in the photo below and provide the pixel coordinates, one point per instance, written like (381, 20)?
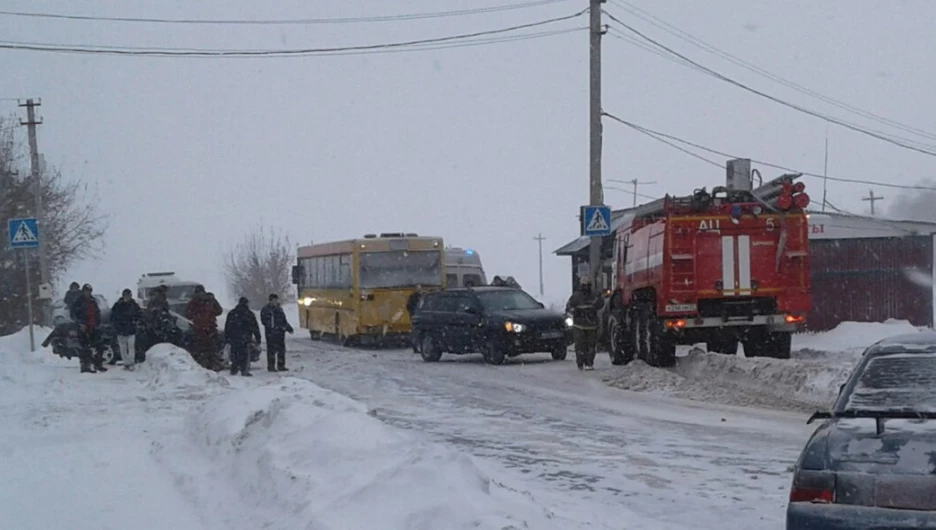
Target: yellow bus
(356, 290)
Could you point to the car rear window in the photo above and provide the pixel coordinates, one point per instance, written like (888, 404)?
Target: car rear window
(896, 381)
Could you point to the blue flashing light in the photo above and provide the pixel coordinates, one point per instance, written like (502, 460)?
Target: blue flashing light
(468, 251)
(736, 211)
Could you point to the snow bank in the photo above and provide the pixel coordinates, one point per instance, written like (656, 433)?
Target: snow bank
(169, 367)
(319, 457)
(732, 380)
(851, 337)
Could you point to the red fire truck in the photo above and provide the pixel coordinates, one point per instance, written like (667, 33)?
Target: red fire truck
(721, 268)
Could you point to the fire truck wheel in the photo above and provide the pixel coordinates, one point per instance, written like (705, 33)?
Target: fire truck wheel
(623, 345)
(780, 345)
(660, 348)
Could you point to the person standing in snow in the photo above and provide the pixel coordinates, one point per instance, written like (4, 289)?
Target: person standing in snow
(239, 329)
(203, 310)
(412, 303)
(584, 305)
(275, 327)
(74, 293)
(125, 317)
(157, 321)
(87, 315)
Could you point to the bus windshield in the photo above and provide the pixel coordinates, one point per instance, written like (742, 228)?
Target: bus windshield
(384, 270)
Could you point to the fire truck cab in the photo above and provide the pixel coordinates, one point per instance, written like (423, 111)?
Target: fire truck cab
(718, 268)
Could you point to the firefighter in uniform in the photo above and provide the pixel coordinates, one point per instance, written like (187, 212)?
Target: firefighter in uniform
(584, 305)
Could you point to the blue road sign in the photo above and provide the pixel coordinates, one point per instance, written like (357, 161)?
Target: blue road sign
(24, 233)
(597, 221)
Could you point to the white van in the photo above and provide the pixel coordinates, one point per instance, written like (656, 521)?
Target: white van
(463, 268)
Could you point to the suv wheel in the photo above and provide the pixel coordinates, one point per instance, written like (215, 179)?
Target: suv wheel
(494, 354)
(430, 351)
(560, 352)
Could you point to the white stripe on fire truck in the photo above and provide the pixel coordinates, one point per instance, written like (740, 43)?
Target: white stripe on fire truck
(642, 264)
(744, 264)
(728, 265)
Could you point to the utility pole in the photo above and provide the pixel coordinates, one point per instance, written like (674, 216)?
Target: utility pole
(633, 182)
(825, 169)
(35, 173)
(872, 199)
(596, 193)
(539, 238)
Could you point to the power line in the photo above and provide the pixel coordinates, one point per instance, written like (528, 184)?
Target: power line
(688, 37)
(663, 136)
(900, 142)
(299, 21)
(202, 53)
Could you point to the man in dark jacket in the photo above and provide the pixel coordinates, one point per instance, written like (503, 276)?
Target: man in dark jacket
(275, 327)
(203, 310)
(125, 317)
(157, 323)
(239, 328)
(412, 303)
(87, 315)
(584, 305)
(74, 293)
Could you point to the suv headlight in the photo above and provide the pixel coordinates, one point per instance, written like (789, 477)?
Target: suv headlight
(569, 322)
(514, 327)
(307, 301)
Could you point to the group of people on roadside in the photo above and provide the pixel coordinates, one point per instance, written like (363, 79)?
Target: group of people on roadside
(137, 329)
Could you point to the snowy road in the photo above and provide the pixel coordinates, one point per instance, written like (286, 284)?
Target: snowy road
(604, 457)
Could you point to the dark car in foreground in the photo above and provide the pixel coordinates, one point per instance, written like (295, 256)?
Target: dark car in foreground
(498, 322)
(872, 462)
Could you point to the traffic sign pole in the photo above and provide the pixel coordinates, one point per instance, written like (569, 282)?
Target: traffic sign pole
(24, 234)
(29, 305)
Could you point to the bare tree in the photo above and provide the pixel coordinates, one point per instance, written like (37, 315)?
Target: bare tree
(73, 228)
(259, 266)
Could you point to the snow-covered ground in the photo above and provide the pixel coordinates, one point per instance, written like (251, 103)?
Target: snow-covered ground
(809, 380)
(174, 446)
(377, 439)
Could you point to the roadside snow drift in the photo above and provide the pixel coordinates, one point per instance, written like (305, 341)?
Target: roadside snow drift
(170, 367)
(850, 338)
(821, 362)
(320, 457)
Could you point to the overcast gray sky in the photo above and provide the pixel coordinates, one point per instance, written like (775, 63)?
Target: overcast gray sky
(486, 145)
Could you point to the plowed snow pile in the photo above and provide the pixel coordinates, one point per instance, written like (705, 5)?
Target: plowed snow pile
(169, 367)
(301, 450)
(810, 380)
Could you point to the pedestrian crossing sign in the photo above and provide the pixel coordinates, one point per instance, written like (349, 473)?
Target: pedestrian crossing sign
(597, 221)
(24, 233)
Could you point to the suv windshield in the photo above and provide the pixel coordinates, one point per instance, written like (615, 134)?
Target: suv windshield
(507, 300)
(400, 269)
(902, 381)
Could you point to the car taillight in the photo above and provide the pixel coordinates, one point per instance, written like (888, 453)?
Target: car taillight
(811, 495)
(813, 486)
(794, 319)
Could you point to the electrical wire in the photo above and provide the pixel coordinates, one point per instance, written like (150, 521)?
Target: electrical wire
(900, 142)
(204, 53)
(661, 136)
(299, 21)
(688, 37)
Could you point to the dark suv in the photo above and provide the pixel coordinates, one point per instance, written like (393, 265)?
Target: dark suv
(499, 322)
